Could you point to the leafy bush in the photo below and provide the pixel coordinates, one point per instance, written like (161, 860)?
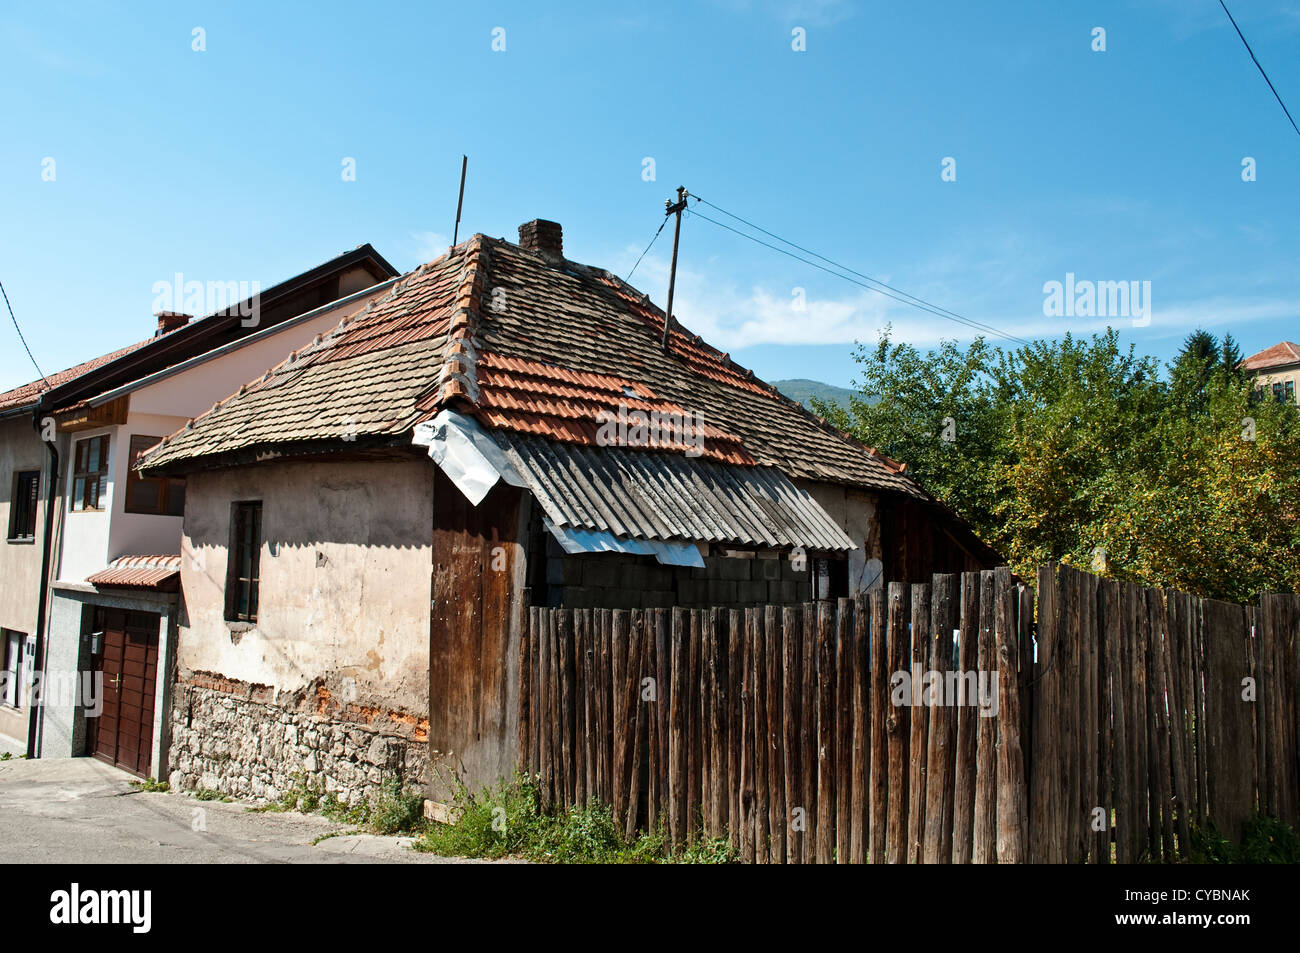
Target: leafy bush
(1266, 840)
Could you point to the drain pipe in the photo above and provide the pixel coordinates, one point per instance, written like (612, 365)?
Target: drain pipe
(51, 497)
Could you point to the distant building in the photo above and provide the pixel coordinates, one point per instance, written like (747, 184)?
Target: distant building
(1276, 370)
(89, 588)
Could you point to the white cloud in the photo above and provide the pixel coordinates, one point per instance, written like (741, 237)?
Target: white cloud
(429, 245)
(731, 317)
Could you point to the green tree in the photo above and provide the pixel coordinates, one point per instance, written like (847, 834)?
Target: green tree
(1077, 450)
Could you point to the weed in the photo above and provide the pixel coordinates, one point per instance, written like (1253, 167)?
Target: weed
(509, 821)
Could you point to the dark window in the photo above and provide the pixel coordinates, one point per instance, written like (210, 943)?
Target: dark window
(1290, 392)
(22, 505)
(830, 578)
(89, 472)
(243, 561)
(158, 495)
(1278, 393)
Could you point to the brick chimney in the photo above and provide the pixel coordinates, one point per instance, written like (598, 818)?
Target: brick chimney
(170, 321)
(545, 238)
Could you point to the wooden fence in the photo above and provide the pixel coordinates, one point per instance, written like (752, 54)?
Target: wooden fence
(1098, 728)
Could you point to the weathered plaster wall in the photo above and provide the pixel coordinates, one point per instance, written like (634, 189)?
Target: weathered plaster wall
(343, 626)
(857, 513)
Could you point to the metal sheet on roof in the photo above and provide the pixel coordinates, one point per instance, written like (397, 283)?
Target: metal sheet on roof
(637, 494)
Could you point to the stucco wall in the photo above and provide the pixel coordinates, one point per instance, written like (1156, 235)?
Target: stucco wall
(333, 679)
(345, 578)
(20, 562)
(856, 512)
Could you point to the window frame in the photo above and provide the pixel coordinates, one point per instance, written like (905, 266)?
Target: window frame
(85, 476)
(169, 491)
(244, 561)
(13, 686)
(19, 503)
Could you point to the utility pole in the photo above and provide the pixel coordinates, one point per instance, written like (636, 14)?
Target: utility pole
(673, 208)
(464, 161)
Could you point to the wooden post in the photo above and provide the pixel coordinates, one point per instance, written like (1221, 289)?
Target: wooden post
(845, 654)
(1012, 804)
(775, 738)
(963, 819)
(984, 831)
(758, 690)
(920, 721)
(825, 733)
(897, 726)
(808, 729)
(791, 639)
(879, 688)
(861, 741)
(936, 847)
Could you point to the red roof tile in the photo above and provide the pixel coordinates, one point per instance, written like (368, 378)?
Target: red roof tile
(29, 393)
(139, 572)
(495, 331)
(1279, 355)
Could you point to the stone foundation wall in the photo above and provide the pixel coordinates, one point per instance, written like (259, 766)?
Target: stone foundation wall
(240, 740)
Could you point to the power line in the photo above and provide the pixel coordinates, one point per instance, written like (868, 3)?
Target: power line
(1260, 68)
(647, 249)
(889, 291)
(20, 335)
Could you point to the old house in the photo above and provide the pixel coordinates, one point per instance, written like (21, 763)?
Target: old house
(1276, 371)
(89, 597)
(366, 522)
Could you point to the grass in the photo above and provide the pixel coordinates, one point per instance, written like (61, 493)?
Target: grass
(393, 809)
(508, 821)
(149, 784)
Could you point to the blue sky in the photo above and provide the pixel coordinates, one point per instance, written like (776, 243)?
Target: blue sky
(225, 164)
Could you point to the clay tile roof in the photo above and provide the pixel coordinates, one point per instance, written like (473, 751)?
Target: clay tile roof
(28, 393)
(139, 572)
(1279, 355)
(527, 347)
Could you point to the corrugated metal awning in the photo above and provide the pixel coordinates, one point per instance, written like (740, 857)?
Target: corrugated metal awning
(637, 494)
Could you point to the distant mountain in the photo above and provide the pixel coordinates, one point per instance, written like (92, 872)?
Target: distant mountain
(803, 390)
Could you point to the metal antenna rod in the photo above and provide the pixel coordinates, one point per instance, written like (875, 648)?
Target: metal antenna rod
(673, 208)
(464, 161)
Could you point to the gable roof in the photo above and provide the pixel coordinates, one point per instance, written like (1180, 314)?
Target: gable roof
(28, 395)
(93, 377)
(1279, 355)
(527, 347)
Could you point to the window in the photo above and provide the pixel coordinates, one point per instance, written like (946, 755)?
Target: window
(158, 495)
(89, 473)
(13, 672)
(830, 578)
(22, 505)
(1290, 392)
(243, 561)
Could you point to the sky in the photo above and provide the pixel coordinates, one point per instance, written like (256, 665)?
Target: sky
(968, 154)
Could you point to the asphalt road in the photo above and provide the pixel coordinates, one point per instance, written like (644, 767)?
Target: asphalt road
(82, 811)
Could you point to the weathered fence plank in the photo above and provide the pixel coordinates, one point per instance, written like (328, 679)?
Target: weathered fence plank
(846, 731)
